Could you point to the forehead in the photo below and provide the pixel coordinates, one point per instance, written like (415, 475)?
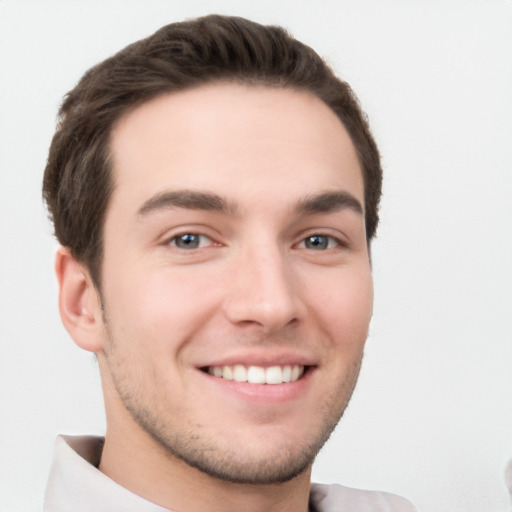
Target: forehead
(232, 139)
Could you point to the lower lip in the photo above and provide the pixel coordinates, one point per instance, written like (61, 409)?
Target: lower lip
(271, 393)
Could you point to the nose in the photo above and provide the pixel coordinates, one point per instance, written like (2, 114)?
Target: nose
(263, 290)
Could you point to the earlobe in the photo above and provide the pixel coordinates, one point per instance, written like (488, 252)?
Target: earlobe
(79, 304)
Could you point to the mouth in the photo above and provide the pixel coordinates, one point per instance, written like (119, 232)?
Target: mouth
(271, 375)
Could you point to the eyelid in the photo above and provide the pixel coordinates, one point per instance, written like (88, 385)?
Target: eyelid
(169, 237)
(339, 237)
(173, 240)
(330, 238)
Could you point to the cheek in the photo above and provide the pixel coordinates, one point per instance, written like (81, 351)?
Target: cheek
(345, 309)
(160, 304)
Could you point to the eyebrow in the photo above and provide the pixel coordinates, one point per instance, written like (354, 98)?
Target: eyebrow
(197, 200)
(329, 202)
(189, 199)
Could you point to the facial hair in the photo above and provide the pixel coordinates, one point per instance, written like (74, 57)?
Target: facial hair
(200, 448)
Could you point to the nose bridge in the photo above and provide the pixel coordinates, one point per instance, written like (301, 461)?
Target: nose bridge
(263, 290)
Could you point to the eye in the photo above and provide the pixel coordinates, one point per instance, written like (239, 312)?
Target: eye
(319, 243)
(190, 241)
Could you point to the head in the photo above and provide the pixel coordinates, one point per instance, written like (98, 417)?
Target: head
(216, 186)
(78, 179)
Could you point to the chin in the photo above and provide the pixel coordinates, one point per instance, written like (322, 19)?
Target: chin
(238, 466)
(264, 457)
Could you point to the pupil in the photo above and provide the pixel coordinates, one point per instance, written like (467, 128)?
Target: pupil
(316, 242)
(189, 241)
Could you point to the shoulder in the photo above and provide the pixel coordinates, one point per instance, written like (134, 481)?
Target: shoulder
(331, 498)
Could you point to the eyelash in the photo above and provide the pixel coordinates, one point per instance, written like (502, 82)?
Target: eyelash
(320, 242)
(175, 240)
(331, 242)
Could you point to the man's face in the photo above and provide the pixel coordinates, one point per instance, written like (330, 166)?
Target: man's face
(235, 250)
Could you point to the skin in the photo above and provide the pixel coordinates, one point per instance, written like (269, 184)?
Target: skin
(276, 278)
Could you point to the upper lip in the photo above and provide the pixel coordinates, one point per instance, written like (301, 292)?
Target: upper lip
(264, 359)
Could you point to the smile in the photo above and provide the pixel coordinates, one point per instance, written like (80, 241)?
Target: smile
(258, 374)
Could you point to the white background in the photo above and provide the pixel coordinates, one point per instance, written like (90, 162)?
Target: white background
(431, 418)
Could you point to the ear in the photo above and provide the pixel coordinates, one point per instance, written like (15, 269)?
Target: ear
(79, 302)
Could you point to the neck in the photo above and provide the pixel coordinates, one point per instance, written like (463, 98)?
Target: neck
(138, 463)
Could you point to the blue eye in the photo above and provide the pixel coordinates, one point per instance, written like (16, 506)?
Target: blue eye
(190, 241)
(319, 242)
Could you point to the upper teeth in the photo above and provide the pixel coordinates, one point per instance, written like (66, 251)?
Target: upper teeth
(258, 374)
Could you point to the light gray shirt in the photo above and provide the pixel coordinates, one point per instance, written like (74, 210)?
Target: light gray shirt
(75, 484)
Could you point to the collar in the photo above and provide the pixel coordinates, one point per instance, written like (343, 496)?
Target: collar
(75, 483)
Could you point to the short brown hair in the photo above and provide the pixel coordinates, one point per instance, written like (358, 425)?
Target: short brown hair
(78, 179)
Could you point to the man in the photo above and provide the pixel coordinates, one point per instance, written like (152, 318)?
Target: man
(215, 190)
